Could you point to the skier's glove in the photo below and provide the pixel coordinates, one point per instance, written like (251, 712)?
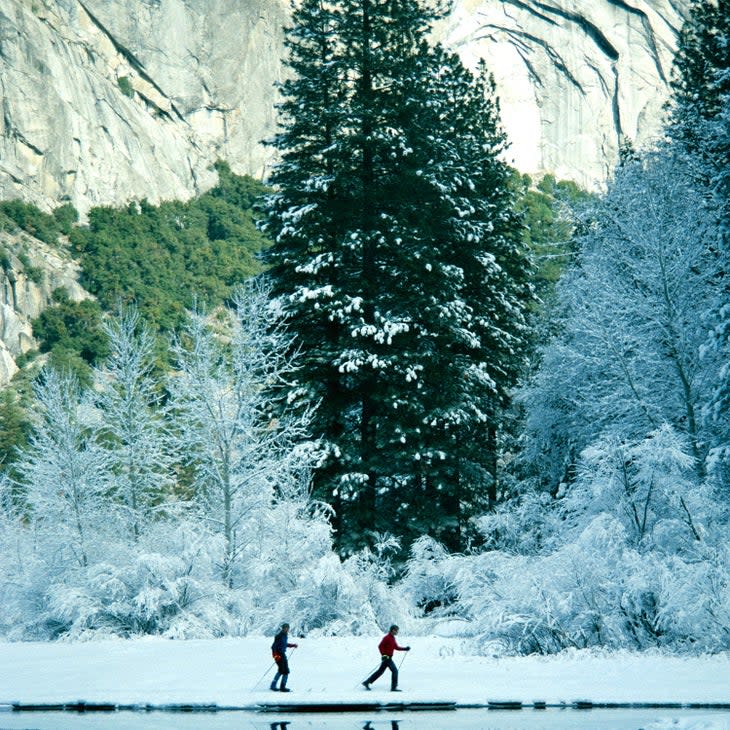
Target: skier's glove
(407, 648)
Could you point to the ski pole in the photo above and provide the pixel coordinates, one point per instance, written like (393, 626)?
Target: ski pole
(372, 671)
(405, 654)
(262, 676)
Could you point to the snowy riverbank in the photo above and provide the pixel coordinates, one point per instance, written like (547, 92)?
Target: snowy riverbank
(229, 672)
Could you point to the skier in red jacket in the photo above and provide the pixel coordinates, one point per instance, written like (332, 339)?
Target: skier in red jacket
(386, 647)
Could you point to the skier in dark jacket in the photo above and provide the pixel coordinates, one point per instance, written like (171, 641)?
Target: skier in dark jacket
(278, 651)
(386, 647)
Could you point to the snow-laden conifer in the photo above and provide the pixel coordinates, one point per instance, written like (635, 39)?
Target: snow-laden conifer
(701, 73)
(396, 255)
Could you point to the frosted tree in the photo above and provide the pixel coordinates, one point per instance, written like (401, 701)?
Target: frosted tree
(239, 456)
(129, 398)
(618, 434)
(397, 256)
(636, 310)
(648, 485)
(65, 475)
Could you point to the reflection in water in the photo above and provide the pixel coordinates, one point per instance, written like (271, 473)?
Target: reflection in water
(466, 719)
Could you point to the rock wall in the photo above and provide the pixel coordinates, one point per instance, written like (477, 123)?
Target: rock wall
(30, 271)
(575, 77)
(107, 100)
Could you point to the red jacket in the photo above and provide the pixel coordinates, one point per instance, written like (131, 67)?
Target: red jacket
(388, 645)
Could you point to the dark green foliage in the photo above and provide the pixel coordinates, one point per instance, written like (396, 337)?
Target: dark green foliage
(73, 328)
(546, 206)
(240, 191)
(65, 360)
(398, 254)
(163, 257)
(43, 226)
(125, 86)
(34, 273)
(14, 427)
(66, 217)
(701, 68)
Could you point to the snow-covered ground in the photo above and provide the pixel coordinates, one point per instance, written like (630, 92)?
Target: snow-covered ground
(236, 672)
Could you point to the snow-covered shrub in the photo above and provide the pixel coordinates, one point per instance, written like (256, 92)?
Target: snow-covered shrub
(24, 580)
(635, 557)
(525, 524)
(327, 599)
(696, 600)
(650, 485)
(426, 583)
(332, 597)
(115, 528)
(373, 571)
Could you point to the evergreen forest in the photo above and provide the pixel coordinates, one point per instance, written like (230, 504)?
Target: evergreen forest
(396, 382)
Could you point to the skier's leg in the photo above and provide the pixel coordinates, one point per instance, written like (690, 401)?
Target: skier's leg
(393, 674)
(378, 672)
(284, 669)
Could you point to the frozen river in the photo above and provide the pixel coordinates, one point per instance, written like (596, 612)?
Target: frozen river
(550, 719)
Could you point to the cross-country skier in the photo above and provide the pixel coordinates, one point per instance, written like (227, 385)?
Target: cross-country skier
(278, 651)
(386, 647)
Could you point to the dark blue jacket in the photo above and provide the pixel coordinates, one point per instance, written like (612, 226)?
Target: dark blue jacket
(280, 644)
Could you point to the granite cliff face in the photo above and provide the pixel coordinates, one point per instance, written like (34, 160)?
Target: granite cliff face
(30, 271)
(108, 100)
(575, 77)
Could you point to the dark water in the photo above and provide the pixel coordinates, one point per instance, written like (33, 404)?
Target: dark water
(551, 719)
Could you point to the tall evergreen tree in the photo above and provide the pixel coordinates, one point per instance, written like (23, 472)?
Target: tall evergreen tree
(717, 411)
(700, 122)
(701, 69)
(397, 255)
